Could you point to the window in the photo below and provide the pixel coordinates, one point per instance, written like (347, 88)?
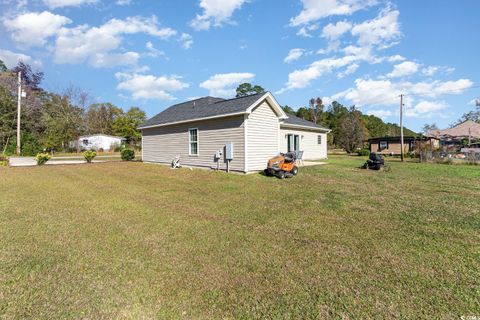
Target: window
(382, 145)
(193, 142)
(319, 139)
(85, 142)
(293, 142)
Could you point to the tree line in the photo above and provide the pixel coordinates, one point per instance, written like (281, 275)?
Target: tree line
(50, 121)
(350, 127)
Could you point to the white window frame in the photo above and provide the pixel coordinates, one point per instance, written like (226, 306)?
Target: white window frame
(385, 145)
(190, 143)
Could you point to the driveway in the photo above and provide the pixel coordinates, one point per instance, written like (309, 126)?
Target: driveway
(30, 161)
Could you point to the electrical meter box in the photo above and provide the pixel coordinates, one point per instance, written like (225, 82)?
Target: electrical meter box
(229, 151)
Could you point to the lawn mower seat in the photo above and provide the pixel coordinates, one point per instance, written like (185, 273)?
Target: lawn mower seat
(290, 157)
(374, 162)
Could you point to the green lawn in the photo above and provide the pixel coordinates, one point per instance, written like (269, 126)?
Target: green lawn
(134, 240)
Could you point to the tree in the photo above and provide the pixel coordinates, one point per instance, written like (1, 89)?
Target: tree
(7, 117)
(126, 125)
(316, 109)
(99, 118)
(352, 130)
(288, 110)
(473, 115)
(63, 121)
(304, 113)
(30, 78)
(246, 89)
(429, 127)
(3, 67)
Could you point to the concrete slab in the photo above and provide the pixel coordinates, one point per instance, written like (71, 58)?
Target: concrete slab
(30, 161)
(22, 161)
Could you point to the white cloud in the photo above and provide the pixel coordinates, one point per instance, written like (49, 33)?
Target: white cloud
(382, 30)
(215, 13)
(396, 58)
(186, 41)
(105, 60)
(334, 31)
(150, 87)
(11, 59)
(223, 85)
(386, 92)
(305, 31)
(381, 113)
(152, 51)
(66, 3)
(293, 55)
(84, 43)
(314, 10)
(349, 70)
(403, 69)
(124, 2)
(425, 109)
(33, 28)
(432, 70)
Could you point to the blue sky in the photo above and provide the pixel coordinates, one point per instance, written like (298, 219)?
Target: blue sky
(153, 54)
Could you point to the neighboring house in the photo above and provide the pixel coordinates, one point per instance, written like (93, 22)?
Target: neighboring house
(255, 126)
(97, 142)
(465, 131)
(392, 145)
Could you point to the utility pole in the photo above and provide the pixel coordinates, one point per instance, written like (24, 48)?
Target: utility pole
(401, 126)
(19, 110)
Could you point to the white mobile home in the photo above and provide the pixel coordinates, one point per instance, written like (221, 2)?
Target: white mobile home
(255, 127)
(98, 142)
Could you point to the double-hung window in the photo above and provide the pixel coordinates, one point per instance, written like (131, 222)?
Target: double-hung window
(193, 142)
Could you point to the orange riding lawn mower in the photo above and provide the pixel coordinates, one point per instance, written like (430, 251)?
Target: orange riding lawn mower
(283, 166)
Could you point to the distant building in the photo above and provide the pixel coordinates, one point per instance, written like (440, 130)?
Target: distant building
(465, 131)
(392, 145)
(97, 142)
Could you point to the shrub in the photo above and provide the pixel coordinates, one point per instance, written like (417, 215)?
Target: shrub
(363, 152)
(3, 160)
(42, 158)
(89, 155)
(128, 154)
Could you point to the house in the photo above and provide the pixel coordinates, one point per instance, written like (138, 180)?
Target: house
(392, 145)
(97, 142)
(466, 131)
(242, 133)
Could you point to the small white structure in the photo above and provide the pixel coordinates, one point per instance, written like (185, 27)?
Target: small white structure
(104, 142)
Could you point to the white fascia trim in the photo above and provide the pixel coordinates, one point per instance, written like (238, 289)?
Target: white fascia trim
(193, 120)
(286, 125)
(245, 136)
(268, 96)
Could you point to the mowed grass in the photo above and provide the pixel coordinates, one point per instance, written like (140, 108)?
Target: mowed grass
(134, 240)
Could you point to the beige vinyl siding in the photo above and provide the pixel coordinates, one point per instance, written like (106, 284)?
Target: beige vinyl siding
(308, 143)
(162, 144)
(262, 137)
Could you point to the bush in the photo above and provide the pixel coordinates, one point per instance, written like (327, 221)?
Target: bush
(363, 152)
(42, 158)
(3, 160)
(128, 154)
(89, 155)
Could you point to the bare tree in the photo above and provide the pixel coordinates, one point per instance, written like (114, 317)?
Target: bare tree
(316, 108)
(351, 131)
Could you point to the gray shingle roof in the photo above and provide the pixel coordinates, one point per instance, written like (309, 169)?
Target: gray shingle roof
(293, 120)
(202, 108)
